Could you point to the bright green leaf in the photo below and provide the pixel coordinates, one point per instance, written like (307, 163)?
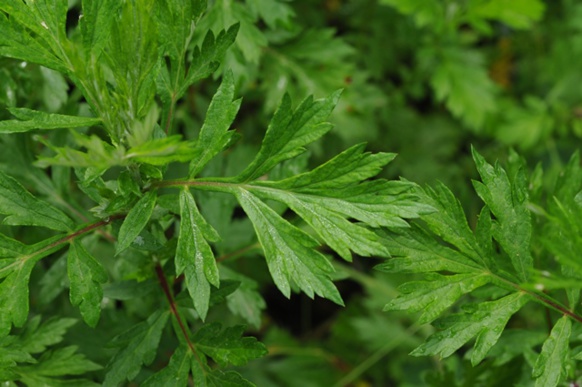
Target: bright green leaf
(289, 131)
(30, 119)
(194, 256)
(214, 134)
(290, 253)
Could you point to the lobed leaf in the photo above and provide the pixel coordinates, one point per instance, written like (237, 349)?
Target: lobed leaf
(22, 208)
(288, 132)
(486, 322)
(507, 200)
(194, 256)
(434, 296)
(227, 346)
(85, 276)
(214, 134)
(175, 373)
(289, 252)
(139, 345)
(95, 23)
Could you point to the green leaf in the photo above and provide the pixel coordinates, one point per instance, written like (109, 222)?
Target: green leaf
(214, 135)
(60, 362)
(250, 40)
(136, 220)
(22, 208)
(422, 253)
(206, 59)
(434, 296)
(36, 337)
(218, 378)
(228, 346)
(95, 24)
(175, 373)
(507, 200)
(486, 322)
(246, 301)
(461, 81)
(17, 42)
(162, 151)
(519, 14)
(85, 276)
(425, 12)
(290, 253)
(194, 255)
(551, 364)
(327, 197)
(31, 119)
(14, 297)
(139, 345)
(273, 12)
(289, 131)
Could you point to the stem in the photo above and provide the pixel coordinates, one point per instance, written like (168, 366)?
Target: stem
(170, 116)
(238, 252)
(166, 288)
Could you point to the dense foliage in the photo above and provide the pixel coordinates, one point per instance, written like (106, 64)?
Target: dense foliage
(172, 216)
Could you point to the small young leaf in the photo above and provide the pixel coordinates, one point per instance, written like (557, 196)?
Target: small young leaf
(31, 119)
(22, 208)
(95, 23)
(162, 151)
(228, 346)
(136, 220)
(194, 255)
(551, 363)
(86, 276)
(139, 345)
(214, 135)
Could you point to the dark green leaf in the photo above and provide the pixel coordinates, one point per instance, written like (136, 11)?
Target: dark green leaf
(551, 363)
(139, 345)
(486, 323)
(22, 208)
(136, 220)
(507, 200)
(85, 276)
(228, 346)
(175, 373)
